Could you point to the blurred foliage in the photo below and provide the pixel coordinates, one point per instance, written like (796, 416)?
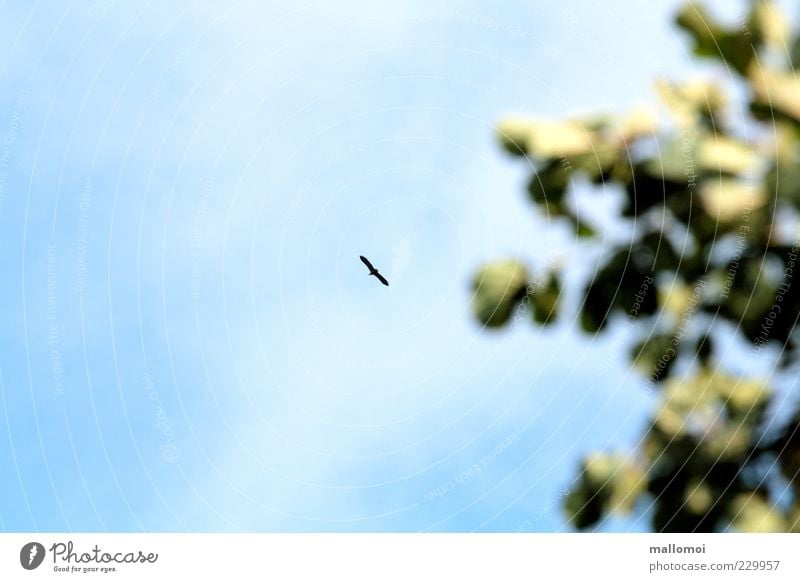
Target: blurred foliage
(711, 199)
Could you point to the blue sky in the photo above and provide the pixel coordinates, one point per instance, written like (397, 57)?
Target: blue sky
(189, 339)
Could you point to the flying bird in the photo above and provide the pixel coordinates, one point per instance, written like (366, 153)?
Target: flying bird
(373, 270)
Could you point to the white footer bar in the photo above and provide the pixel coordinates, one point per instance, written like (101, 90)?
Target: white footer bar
(401, 557)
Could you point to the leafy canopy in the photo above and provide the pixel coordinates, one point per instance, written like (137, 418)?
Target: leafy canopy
(711, 202)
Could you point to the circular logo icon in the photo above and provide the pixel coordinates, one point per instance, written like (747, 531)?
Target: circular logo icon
(31, 555)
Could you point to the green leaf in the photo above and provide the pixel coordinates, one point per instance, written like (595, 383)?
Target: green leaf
(560, 139)
(584, 230)
(751, 512)
(703, 29)
(705, 350)
(657, 251)
(584, 508)
(497, 288)
(795, 52)
(693, 105)
(735, 47)
(513, 135)
(624, 283)
(729, 200)
(548, 187)
(738, 49)
(769, 26)
(545, 300)
(720, 154)
(783, 182)
(655, 356)
(775, 92)
(675, 160)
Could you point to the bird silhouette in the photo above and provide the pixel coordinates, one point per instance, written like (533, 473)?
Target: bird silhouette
(373, 270)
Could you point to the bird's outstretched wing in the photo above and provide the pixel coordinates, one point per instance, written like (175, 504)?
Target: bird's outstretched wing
(366, 262)
(381, 278)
